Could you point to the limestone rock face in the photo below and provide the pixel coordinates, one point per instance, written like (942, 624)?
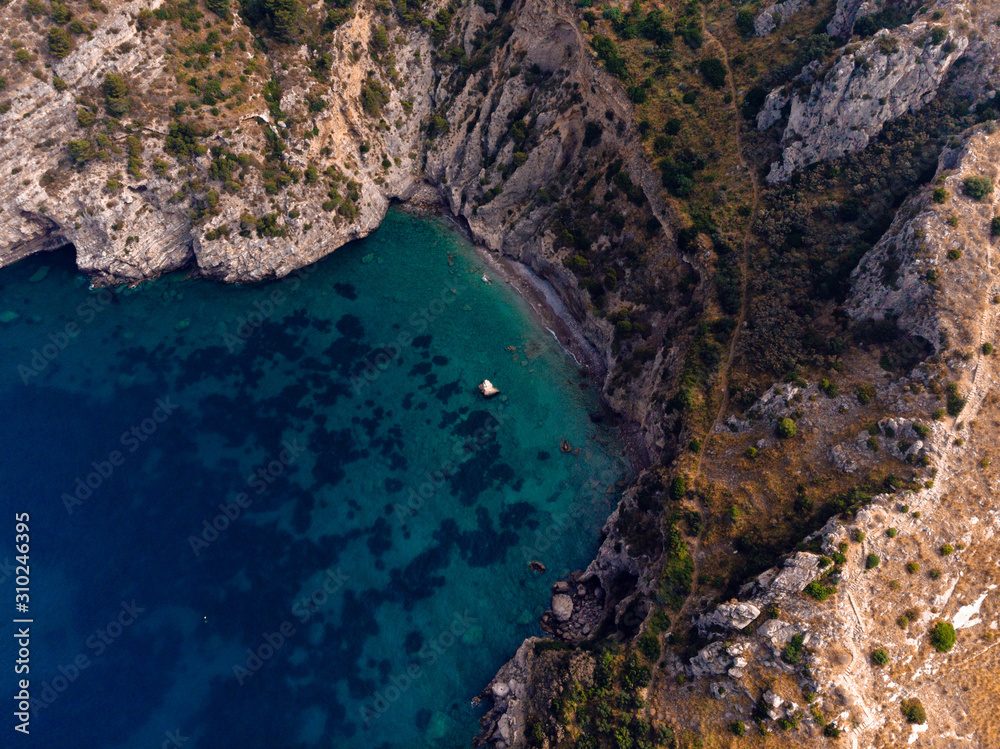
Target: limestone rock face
(942, 283)
(129, 227)
(770, 18)
(889, 75)
(847, 14)
(734, 615)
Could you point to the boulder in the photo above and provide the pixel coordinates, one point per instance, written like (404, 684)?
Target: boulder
(562, 607)
(487, 389)
(735, 615)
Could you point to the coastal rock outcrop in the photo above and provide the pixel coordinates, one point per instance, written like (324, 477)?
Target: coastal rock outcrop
(890, 74)
(933, 272)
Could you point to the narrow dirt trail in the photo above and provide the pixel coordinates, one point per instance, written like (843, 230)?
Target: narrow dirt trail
(723, 381)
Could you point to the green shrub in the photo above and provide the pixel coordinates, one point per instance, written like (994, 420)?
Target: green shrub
(858, 536)
(816, 590)
(80, 151)
(892, 532)
(134, 146)
(607, 53)
(116, 95)
(792, 652)
(922, 430)
(935, 574)
(940, 195)
(678, 488)
(374, 97)
(977, 188)
(787, 428)
(713, 71)
(60, 42)
(865, 394)
(635, 675)
(659, 621)
(987, 348)
(947, 550)
(649, 645)
(182, 140)
(872, 561)
(744, 22)
(955, 402)
(913, 711)
(880, 657)
(60, 13)
(738, 728)
(995, 226)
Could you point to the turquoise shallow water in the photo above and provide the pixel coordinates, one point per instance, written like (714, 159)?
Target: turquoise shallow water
(281, 515)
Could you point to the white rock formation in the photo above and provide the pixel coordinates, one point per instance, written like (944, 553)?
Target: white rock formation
(487, 389)
(889, 75)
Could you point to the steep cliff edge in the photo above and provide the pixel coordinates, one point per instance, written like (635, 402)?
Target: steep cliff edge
(166, 136)
(839, 106)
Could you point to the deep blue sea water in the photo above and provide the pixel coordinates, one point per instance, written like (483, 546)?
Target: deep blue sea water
(281, 515)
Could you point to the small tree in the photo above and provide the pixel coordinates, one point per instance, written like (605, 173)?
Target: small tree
(787, 428)
(60, 42)
(714, 71)
(116, 95)
(943, 637)
(744, 22)
(678, 488)
(80, 151)
(913, 711)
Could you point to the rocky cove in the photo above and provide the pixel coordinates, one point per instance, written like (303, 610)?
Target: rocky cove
(754, 227)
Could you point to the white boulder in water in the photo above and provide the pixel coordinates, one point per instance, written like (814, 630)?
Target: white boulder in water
(487, 389)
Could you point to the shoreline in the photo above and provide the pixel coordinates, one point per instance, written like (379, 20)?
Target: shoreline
(550, 312)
